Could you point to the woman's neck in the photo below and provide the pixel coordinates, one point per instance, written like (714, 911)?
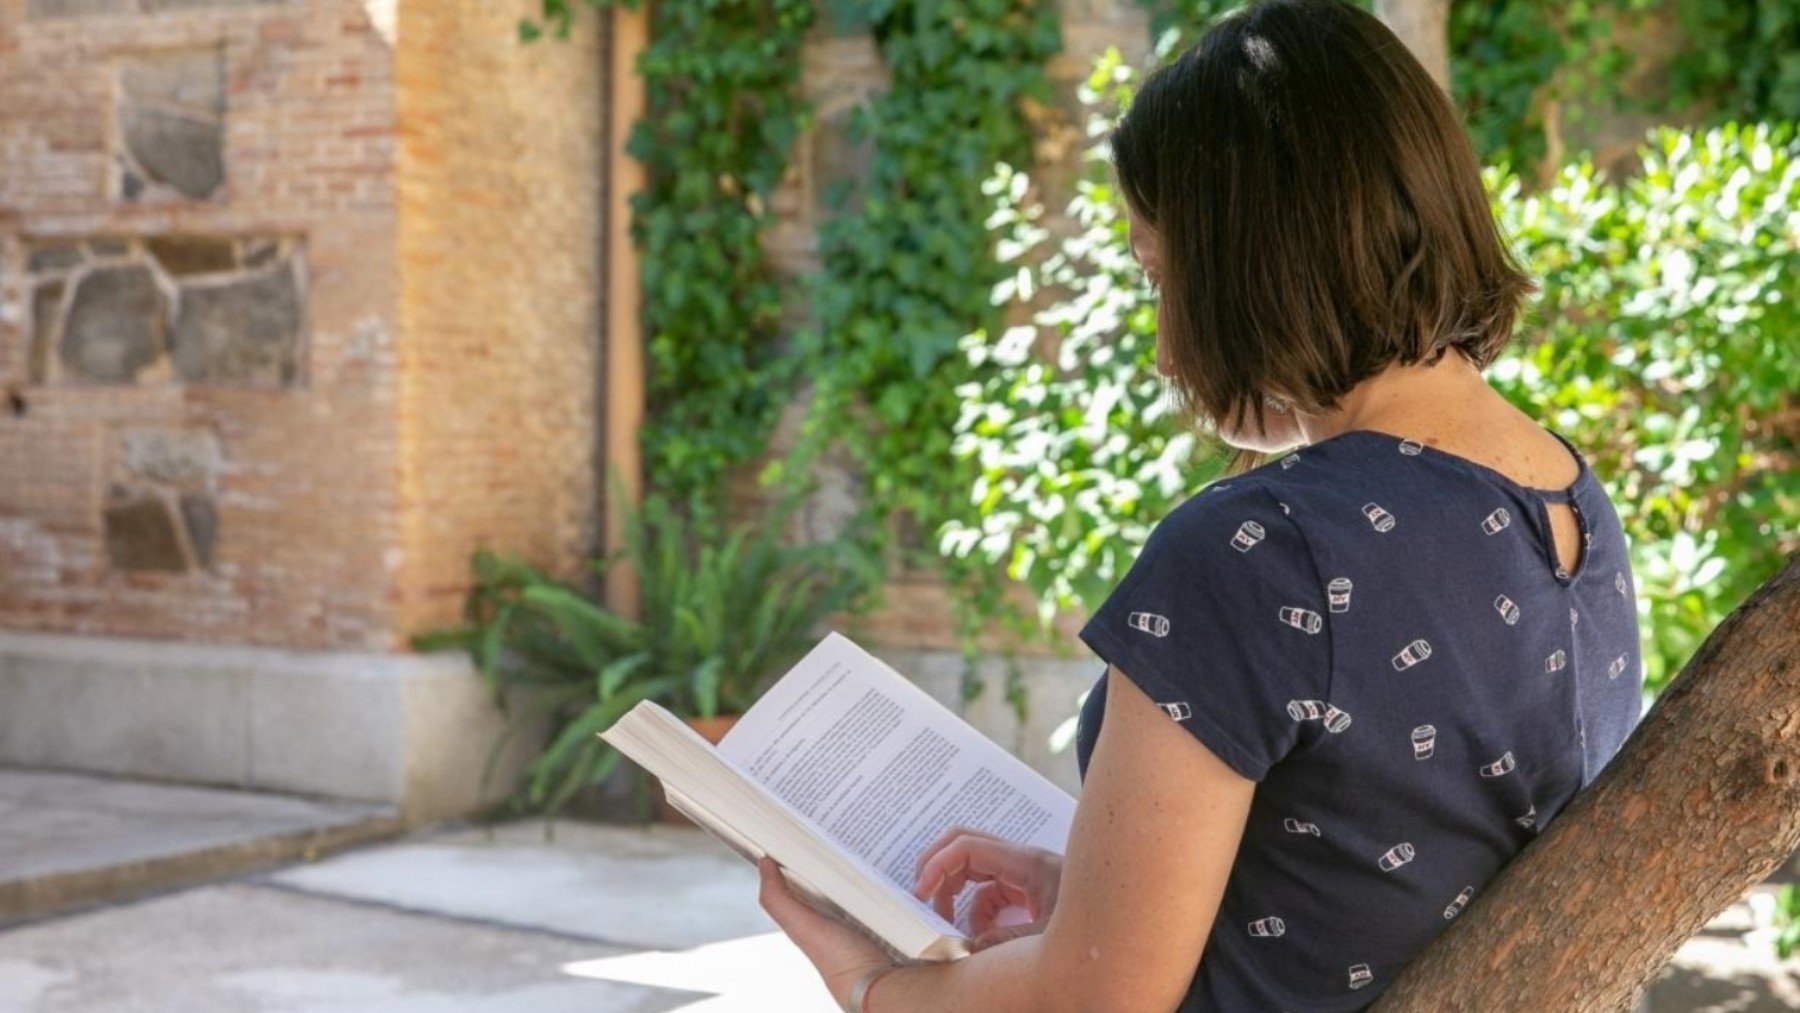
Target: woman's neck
(1403, 399)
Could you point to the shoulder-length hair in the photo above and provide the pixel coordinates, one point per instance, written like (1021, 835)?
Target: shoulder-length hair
(1318, 210)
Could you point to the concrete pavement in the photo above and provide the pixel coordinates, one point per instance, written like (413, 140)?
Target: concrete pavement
(602, 917)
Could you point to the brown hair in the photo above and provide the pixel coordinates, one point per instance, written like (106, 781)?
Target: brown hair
(1318, 210)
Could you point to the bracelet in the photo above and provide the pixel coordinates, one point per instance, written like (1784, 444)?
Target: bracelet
(859, 992)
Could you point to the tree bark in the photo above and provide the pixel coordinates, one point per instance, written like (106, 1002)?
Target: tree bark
(1424, 25)
(1701, 803)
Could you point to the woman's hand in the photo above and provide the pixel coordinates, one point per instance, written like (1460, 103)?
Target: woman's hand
(1011, 876)
(837, 951)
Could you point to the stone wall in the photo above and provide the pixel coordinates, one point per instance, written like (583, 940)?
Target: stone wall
(272, 367)
(198, 299)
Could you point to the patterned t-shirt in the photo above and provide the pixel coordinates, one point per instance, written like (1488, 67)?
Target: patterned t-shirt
(1381, 635)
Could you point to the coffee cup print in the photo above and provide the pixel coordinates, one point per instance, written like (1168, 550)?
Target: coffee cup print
(1619, 581)
(1289, 461)
(1381, 519)
(1424, 740)
(1617, 668)
(1573, 619)
(1305, 710)
(1335, 720)
(1302, 619)
(1394, 857)
(1496, 522)
(1501, 766)
(1269, 927)
(1508, 611)
(1149, 622)
(1337, 593)
(1294, 826)
(1462, 899)
(1556, 662)
(1360, 975)
(1248, 534)
(1179, 710)
(1411, 448)
(1529, 818)
(1411, 655)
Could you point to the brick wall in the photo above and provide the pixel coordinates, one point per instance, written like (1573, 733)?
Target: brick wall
(270, 367)
(500, 179)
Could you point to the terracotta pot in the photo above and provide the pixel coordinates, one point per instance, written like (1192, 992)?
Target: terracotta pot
(712, 730)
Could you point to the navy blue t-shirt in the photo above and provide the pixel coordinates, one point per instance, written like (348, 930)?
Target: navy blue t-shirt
(1381, 635)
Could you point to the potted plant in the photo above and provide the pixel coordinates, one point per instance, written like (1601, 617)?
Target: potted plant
(721, 615)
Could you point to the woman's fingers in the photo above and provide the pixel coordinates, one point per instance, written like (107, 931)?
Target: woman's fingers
(992, 898)
(979, 859)
(943, 840)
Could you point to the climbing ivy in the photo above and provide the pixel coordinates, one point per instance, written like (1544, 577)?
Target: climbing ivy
(722, 116)
(1743, 55)
(1511, 59)
(908, 269)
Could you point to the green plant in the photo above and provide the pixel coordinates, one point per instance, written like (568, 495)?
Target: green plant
(1065, 417)
(908, 271)
(1777, 917)
(722, 614)
(722, 115)
(1661, 343)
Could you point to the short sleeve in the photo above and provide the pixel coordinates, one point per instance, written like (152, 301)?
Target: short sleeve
(1222, 621)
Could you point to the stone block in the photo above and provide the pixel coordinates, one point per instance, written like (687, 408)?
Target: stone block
(258, 252)
(193, 81)
(407, 729)
(53, 256)
(171, 115)
(115, 324)
(182, 255)
(243, 332)
(83, 710)
(140, 535)
(200, 516)
(109, 247)
(184, 458)
(175, 148)
(46, 320)
(327, 730)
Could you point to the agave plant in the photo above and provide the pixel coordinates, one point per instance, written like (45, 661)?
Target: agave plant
(722, 616)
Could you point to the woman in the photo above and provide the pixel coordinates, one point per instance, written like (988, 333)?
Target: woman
(1345, 687)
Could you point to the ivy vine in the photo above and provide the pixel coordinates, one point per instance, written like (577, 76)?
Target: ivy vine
(1511, 59)
(722, 114)
(909, 271)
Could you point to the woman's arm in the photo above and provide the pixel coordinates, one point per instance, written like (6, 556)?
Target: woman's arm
(1151, 846)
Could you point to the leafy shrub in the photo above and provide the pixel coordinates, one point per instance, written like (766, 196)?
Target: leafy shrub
(1665, 343)
(723, 615)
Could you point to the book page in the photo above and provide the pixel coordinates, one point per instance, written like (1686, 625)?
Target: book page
(883, 769)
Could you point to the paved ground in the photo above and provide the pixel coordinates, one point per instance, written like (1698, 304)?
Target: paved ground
(71, 839)
(601, 918)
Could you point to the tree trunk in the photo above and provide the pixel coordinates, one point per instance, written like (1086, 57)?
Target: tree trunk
(1424, 25)
(1701, 803)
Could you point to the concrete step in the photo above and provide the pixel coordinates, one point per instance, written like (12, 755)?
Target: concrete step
(69, 841)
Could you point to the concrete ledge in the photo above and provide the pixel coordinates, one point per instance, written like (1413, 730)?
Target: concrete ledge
(408, 730)
(70, 840)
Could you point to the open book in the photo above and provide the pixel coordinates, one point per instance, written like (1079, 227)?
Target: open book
(844, 772)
